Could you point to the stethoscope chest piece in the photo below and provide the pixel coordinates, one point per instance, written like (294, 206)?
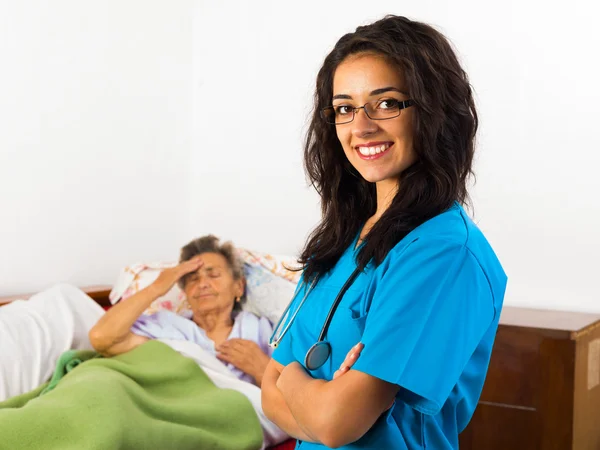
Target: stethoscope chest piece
(317, 355)
(320, 350)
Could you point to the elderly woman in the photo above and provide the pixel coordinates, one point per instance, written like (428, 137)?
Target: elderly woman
(211, 276)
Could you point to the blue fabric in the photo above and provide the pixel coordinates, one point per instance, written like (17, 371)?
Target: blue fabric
(427, 316)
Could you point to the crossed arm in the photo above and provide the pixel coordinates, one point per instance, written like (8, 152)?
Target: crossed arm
(335, 412)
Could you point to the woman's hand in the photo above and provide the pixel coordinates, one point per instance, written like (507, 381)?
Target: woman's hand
(168, 277)
(246, 355)
(351, 358)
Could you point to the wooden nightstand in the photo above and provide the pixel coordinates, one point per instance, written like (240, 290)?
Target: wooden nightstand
(542, 391)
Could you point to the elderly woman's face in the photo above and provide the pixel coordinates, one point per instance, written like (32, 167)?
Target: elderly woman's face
(212, 288)
(378, 149)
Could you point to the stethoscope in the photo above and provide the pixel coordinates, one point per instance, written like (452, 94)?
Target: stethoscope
(320, 351)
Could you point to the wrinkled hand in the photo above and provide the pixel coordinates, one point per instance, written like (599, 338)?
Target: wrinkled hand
(246, 355)
(168, 277)
(351, 358)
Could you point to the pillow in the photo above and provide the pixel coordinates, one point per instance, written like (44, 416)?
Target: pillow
(138, 276)
(270, 285)
(280, 265)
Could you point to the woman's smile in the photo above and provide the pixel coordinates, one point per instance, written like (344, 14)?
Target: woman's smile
(373, 150)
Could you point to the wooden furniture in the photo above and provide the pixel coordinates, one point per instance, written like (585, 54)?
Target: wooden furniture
(99, 293)
(542, 390)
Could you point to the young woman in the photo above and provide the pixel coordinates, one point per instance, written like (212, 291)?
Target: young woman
(396, 265)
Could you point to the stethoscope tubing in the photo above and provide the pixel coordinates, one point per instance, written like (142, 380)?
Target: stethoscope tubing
(273, 341)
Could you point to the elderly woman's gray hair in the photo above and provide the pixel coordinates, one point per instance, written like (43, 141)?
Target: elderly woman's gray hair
(212, 244)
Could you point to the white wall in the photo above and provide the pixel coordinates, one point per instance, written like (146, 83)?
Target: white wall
(535, 69)
(187, 93)
(95, 135)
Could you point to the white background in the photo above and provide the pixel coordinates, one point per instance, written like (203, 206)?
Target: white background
(129, 127)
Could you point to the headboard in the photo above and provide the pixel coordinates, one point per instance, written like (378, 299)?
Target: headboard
(98, 292)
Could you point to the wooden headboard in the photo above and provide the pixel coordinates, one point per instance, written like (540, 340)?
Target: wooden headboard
(98, 292)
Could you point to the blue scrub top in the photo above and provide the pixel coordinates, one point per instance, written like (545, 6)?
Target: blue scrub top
(427, 315)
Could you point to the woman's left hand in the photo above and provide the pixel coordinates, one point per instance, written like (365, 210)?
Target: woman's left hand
(351, 358)
(246, 355)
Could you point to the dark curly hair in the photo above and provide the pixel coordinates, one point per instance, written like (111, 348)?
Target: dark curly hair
(444, 128)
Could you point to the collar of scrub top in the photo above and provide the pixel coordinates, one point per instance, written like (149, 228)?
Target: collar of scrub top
(320, 351)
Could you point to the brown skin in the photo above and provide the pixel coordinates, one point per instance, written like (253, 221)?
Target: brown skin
(246, 355)
(342, 410)
(357, 77)
(277, 404)
(211, 291)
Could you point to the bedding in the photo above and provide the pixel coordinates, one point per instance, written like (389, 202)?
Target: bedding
(35, 332)
(168, 325)
(150, 397)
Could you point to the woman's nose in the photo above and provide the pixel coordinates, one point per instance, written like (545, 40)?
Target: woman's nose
(362, 125)
(202, 281)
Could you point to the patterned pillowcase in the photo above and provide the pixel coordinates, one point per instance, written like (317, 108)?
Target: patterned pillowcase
(270, 285)
(138, 276)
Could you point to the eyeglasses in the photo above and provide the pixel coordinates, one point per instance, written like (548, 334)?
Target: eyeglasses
(375, 110)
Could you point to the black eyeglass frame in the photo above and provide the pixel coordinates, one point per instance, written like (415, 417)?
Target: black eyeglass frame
(401, 105)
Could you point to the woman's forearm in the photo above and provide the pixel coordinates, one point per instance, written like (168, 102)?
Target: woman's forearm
(116, 323)
(336, 412)
(260, 366)
(277, 410)
(302, 400)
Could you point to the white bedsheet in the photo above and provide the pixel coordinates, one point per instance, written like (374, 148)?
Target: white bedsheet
(34, 333)
(224, 378)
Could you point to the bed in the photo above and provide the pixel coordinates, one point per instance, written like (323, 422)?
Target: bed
(100, 294)
(542, 391)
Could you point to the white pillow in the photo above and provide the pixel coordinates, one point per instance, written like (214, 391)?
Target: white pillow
(270, 285)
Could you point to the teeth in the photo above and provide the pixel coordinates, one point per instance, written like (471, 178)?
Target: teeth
(369, 151)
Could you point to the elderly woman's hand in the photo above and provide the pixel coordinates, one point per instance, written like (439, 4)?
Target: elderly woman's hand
(246, 355)
(168, 277)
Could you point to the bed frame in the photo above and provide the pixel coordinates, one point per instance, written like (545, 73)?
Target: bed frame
(542, 391)
(99, 294)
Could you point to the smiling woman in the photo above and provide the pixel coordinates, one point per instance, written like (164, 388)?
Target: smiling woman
(392, 153)
(387, 342)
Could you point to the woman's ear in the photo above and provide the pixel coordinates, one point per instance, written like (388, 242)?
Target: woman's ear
(240, 286)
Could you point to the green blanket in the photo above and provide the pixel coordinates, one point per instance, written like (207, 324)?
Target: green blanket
(149, 398)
